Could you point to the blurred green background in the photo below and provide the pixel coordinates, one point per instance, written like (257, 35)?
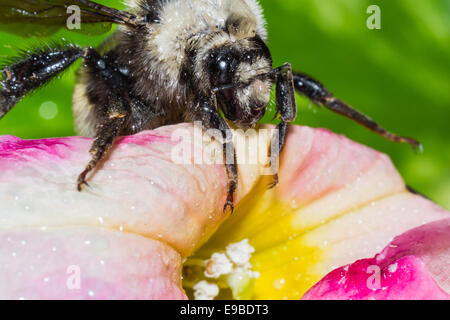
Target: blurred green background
(399, 75)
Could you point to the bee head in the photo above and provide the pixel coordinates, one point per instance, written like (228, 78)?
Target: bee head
(236, 73)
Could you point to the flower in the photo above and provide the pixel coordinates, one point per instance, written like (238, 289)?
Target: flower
(145, 217)
(337, 202)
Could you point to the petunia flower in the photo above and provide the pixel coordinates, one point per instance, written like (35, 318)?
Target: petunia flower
(147, 219)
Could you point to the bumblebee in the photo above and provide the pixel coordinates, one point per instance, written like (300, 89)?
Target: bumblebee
(169, 61)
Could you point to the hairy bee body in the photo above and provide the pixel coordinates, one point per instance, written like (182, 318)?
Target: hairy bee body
(159, 60)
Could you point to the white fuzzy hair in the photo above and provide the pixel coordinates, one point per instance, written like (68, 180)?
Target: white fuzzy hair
(190, 19)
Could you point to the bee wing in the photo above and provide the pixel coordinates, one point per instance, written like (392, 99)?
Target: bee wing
(45, 17)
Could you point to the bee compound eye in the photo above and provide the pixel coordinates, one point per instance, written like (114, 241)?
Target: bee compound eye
(222, 70)
(223, 65)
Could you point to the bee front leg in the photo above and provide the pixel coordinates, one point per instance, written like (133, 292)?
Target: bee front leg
(287, 109)
(207, 113)
(318, 94)
(112, 113)
(107, 133)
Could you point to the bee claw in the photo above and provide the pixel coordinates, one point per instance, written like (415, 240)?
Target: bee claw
(82, 183)
(416, 145)
(271, 185)
(227, 205)
(418, 148)
(274, 183)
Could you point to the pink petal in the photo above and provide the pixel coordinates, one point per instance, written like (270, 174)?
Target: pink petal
(106, 264)
(128, 233)
(138, 189)
(415, 265)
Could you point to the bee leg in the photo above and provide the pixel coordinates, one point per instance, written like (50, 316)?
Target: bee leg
(287, 109)
(275, 150)
(113, 113)
(104, 140)
(318, 94)
(32, 71)
(207, 113)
